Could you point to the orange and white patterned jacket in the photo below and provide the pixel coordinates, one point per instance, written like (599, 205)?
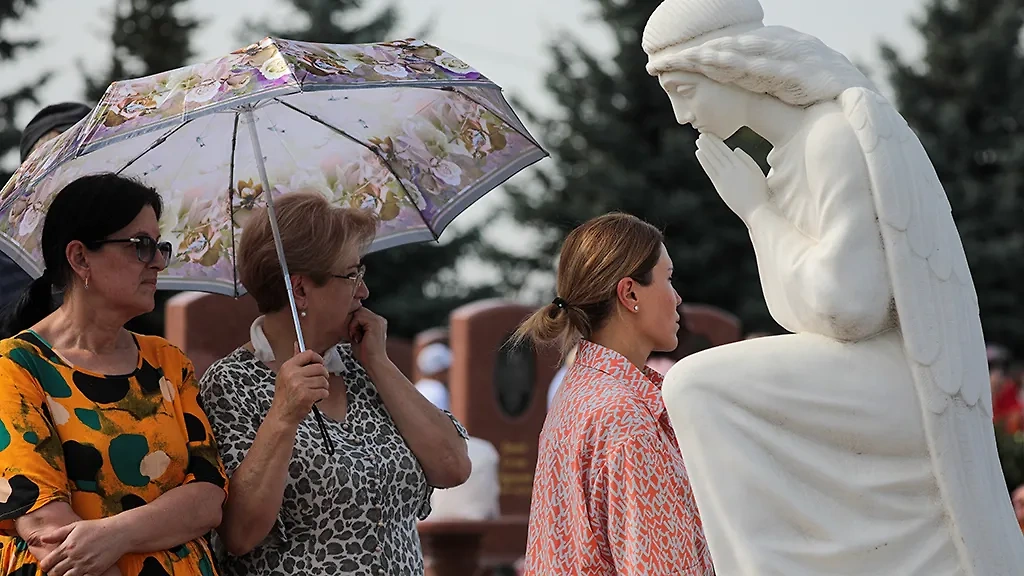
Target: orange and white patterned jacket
(610, 494)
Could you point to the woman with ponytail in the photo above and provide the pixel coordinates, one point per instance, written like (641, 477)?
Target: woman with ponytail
(102, 440)
(610, 493)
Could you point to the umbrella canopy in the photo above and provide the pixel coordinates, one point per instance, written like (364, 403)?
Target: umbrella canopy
(401, 128)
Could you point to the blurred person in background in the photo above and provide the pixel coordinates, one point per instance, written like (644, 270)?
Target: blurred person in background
(477, 497)
(46, 125)
(433, 363)
(1007, 408)
(556, 380)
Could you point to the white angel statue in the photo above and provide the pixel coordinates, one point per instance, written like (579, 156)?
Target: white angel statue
(863, 442)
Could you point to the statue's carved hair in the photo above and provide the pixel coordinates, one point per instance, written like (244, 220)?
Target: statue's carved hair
(792, 66)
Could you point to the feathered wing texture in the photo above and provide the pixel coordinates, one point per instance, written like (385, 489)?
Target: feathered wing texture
(937, 308)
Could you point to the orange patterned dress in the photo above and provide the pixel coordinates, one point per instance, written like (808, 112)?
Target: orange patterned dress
(610, 494)
(103, 444)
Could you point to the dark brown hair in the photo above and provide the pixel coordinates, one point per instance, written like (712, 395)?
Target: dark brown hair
(314, 234)
(594, 258)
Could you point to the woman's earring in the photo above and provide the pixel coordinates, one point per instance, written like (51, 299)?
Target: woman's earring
(86, 282)
(303, 313)
(636, 308)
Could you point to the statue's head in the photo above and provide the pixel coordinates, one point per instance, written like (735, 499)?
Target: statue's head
(713, 56)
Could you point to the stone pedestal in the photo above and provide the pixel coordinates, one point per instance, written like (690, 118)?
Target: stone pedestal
(452, 548)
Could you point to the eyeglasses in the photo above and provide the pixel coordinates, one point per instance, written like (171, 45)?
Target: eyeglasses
(145, 247)
(354, 277)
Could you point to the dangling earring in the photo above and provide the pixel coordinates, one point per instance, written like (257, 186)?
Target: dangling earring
(86, 282)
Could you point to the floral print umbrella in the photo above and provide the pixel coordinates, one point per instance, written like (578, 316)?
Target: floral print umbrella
(401, 128)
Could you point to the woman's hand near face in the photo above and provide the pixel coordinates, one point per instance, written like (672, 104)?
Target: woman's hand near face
(301, 382)
(368, 334)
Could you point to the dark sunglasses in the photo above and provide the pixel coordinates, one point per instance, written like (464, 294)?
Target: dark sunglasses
(145, 247)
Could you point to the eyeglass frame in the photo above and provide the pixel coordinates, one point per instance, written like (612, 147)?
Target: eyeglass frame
(355, 277)
(165, 247)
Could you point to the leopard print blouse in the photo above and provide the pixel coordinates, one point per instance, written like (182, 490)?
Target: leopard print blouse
(351, 513)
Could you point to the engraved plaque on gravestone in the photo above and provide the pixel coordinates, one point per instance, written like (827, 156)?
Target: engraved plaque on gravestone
(515, 371)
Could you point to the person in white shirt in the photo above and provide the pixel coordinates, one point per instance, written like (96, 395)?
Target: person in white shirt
(556, 381)
(478, 497)
(433, 362)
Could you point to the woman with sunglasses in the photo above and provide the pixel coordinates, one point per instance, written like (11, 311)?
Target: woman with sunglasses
(102, 440)
(296, 506)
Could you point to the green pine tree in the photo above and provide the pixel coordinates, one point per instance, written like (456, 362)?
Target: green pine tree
(616, 147)
(332, 21)
(22, 89)
(413, 286)
(965, 100)
(149, 36)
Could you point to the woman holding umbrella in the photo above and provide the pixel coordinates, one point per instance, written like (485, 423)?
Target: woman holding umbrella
(102, 440)
(295, 508)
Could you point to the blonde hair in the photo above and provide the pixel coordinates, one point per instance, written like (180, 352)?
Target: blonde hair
(594, 258)
(791, 66)
(314, 235)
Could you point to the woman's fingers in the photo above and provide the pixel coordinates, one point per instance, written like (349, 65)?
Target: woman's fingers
(313, 371)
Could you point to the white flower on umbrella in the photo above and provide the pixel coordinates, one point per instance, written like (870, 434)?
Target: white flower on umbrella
(238, 81)
(210, 79)
(394, 70)
(422, 141)
(31, 218)
(199, 224)
(180, 81)
(358, 183)
(309, 180)
(447, 172)
(205, 91)
(452, 63)
(275, 67)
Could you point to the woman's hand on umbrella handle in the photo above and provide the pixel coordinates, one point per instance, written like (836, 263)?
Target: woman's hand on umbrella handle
(301, 382)
(368, 334)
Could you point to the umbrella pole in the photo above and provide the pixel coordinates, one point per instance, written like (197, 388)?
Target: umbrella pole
(261, 167)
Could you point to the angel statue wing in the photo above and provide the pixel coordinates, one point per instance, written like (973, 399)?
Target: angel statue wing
(937, 308)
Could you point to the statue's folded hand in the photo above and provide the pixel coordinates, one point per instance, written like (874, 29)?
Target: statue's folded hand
(735, 175)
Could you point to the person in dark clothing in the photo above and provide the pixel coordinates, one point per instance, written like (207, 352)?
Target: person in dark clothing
(47, 124)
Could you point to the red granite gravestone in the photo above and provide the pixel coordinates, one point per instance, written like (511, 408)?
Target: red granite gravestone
(705, 327)
(499, 393)
(208, 327)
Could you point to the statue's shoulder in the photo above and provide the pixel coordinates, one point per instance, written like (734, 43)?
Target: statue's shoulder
(830, 135)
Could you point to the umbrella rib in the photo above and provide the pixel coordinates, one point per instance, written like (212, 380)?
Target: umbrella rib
(231, 206)
(373, 149)
(156, 143)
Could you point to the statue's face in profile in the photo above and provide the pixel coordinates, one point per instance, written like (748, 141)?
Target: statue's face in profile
(708, 106)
